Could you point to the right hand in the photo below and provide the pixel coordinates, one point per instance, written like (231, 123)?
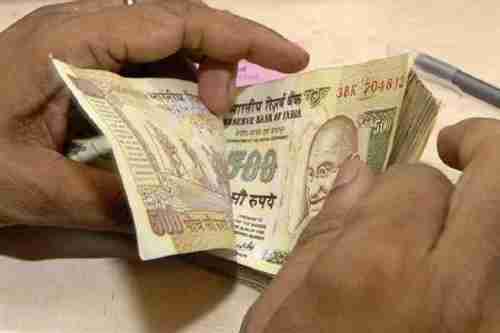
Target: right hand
(400, 252)
(43, 194)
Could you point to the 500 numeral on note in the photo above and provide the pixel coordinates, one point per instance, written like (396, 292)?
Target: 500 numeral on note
(252, 165)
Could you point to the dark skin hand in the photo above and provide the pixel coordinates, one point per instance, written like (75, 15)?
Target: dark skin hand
(48, 198)
(404, 251)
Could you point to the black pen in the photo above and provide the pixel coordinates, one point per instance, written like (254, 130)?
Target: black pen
(465, 82)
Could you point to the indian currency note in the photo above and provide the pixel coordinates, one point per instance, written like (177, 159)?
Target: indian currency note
(284, 144)
(168, 155)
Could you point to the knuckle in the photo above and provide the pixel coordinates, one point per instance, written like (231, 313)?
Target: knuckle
(421, 179)
(364, 270)
(49, 36)
(485, 146)
(479, 132)
(420, 189)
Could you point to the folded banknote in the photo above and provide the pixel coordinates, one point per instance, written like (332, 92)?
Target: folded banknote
(244, 186)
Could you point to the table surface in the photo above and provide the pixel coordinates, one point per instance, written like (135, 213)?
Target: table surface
(169, 296)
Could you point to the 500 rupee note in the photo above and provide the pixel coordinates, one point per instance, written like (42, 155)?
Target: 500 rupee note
(262, 173)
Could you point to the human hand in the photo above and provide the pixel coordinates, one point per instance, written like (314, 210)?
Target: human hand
(403, 251)
(41, 188)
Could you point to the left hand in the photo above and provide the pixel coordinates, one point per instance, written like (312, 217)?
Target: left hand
(39, 187)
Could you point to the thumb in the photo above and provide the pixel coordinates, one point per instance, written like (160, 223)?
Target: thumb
(353, 181)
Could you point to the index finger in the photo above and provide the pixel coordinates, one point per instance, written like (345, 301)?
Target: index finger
(150, 32)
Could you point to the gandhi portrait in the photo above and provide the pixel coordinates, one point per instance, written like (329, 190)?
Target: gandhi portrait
(333, 143)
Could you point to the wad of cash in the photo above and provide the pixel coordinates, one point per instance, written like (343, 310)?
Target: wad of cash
(244, 186)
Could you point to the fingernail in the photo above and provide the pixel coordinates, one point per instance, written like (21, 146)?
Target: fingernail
(306, 57)
(348, 172)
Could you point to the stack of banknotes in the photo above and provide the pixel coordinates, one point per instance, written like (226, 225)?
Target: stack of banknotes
(243, 186)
